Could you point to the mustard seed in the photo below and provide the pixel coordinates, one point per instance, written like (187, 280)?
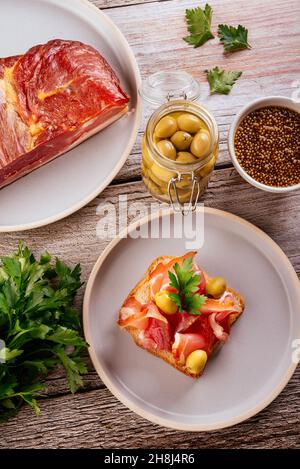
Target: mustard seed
(267, 145)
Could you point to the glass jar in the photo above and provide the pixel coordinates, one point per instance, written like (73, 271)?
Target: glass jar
(169, 180)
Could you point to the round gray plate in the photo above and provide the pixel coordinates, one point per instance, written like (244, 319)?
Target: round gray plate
(74, 179)
(252, 367)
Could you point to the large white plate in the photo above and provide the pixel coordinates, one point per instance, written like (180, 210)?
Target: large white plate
(250, 370)
(74, 179)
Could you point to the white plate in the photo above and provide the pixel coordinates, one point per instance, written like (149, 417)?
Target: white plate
(74, 179)
(250, 370)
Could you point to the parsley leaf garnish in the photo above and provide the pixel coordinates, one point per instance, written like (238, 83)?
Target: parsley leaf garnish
(233, 38)
(186, 282)
(221, 81)
(199, 24)
(39, 327)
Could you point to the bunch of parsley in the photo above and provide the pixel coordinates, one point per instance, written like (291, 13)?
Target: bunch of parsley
(39, 327)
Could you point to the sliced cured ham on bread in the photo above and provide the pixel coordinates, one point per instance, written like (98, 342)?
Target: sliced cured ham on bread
(173, 337)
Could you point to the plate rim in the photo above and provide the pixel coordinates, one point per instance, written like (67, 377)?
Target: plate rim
(105, 378)
(126, 152)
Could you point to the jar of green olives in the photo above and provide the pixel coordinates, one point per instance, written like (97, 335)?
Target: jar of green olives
(180, 143)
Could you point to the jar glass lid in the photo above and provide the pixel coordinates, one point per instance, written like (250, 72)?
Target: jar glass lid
(164, 86)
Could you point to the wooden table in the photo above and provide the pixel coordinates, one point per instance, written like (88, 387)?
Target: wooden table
(93, 417)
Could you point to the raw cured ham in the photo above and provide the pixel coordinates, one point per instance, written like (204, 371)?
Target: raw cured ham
(183, 338)
(52, 98)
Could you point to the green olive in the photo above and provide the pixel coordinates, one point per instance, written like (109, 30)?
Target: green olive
(165, 192)
(184, 193)
(167, 149)
(181, 140)
(189, 123)
(201, 143)
(156, 139)
(207, 169)
(176, 114)
(196, 361)
(216, 286)
(161, 173)
(147, 160)
(166, 127)
(184, 196)
(152, 187)
(184, 182)
(145, 170)
(185, 157)
(158, 182)
(164, 302)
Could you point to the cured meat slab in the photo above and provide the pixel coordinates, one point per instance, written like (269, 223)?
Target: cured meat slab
(52, 98)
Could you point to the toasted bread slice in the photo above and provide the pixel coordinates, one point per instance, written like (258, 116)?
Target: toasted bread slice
(141, 292)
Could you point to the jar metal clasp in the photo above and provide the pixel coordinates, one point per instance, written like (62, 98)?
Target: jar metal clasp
(177, 205)
(181, 95)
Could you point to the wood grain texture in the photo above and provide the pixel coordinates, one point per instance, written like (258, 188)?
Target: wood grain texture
(104, 4)
(74, 238)
(271, 67)
(93, 417)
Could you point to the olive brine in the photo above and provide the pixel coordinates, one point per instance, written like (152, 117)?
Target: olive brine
(183, 141)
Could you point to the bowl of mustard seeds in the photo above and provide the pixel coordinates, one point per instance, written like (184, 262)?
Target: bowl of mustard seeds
(264, 144)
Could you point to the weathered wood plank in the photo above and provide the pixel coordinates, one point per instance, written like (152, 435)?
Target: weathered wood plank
(132, 167)
(56, 383)
(269, 68)
(75, 240)
(96, 419)
(104, 4)
(273, 38)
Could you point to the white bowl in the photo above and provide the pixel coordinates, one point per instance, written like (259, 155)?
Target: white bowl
(257, 104)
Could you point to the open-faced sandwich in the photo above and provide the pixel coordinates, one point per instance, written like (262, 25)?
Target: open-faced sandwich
(180, 314)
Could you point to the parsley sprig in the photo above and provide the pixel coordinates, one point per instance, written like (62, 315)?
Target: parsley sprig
(186, 282)
(233, 38)
(199, 25)
(221, 81)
